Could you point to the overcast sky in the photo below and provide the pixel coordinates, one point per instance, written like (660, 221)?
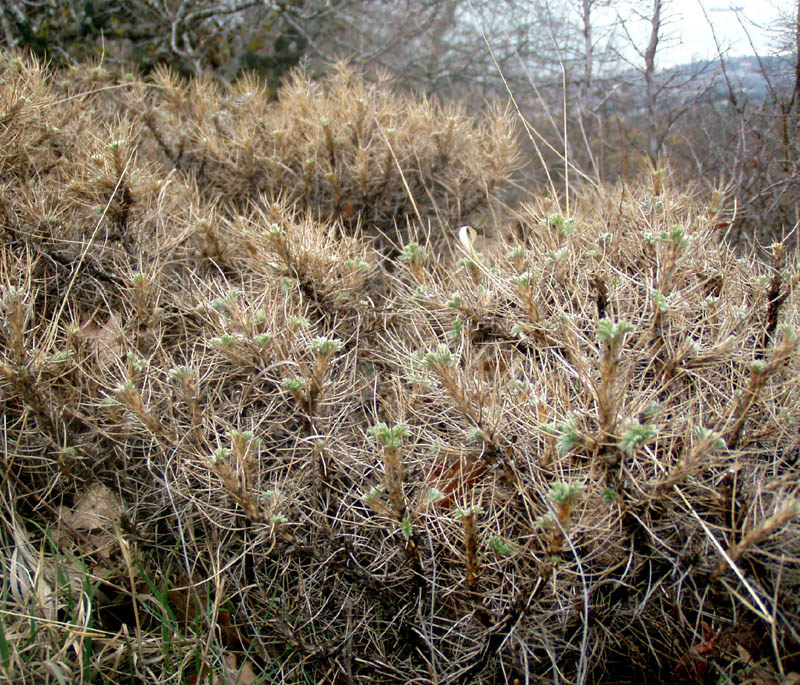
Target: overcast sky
(691, 37)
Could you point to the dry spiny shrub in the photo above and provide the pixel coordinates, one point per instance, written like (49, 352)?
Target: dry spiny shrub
(237, 438)
(342, 149)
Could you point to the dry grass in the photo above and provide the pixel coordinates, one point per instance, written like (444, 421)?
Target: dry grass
(266, 412)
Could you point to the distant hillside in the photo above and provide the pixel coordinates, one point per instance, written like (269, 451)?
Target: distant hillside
(752, 77)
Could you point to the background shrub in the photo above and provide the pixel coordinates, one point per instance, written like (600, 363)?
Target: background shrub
(341, 149)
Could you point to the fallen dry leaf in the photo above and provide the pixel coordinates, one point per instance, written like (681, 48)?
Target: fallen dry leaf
(231, 673)
(98, 510)
(98, 507)
(105, 338)
(242, 676)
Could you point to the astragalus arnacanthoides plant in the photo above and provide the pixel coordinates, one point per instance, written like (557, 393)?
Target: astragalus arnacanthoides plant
(559, 450)
(389, 440)
(632, 346)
